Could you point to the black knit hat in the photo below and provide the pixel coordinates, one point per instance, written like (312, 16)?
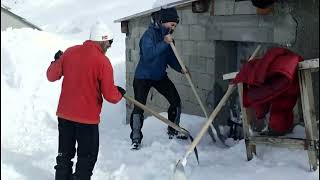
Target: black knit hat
(262, 3)
(169, 15)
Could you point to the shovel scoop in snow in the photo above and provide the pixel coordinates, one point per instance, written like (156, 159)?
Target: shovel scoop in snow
(179, 173)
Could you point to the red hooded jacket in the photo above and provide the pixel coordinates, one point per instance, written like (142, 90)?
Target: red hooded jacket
(88, 75)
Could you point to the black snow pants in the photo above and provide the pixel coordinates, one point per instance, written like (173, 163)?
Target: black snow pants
(141, 89)
(87, 137)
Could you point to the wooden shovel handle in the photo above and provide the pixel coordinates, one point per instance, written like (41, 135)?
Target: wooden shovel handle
(189, 79)
(215, 112)
(211, 118)
(157, 115)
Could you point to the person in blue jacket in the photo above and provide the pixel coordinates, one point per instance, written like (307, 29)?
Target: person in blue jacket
(155, 56)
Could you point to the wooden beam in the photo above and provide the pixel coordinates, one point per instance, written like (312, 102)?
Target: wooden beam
(200, 6)
(124, 27)
(229, 75)
(247, 118)
(287, 142)
(309, 113)
(307, 64)
(212, 8)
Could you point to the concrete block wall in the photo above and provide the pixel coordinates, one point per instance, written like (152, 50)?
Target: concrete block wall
(306, 14)
(197, 38)
(136, 29)
(195, 50)
(231, 7)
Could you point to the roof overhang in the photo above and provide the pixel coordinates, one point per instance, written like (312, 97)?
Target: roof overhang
(176, 4)
(7, 9)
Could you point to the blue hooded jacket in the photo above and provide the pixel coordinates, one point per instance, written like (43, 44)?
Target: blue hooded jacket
(155, 54)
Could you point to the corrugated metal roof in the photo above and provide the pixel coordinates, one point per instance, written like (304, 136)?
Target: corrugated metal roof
(7, 9)
(180, 3)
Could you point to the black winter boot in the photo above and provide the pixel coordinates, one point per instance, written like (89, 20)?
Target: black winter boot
(174, 116)
(136, 123)
(63, 168)
(85, 167)
(63, 174)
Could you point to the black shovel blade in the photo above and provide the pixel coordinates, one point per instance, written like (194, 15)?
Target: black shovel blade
(195, 148)
(219, 139)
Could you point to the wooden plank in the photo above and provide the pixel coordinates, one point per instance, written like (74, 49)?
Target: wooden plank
(246, 120)
(229, 76)
(124, 27)
(246, 115)
(296, 143)
(307, 64)
(309, 114)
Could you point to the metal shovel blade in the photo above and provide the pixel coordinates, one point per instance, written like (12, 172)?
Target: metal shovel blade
(179, 173)
(195, 148)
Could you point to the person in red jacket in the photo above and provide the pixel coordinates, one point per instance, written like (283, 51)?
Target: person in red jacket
(87, 77)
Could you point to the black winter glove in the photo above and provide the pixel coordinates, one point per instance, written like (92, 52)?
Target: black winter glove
(121, 90)
(58, 54)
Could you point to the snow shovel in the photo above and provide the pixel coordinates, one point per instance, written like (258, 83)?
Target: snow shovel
(179, 173)
(163, 119)
(212, 131)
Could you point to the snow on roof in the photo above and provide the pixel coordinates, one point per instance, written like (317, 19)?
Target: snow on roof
(179, 3)
(7, 9)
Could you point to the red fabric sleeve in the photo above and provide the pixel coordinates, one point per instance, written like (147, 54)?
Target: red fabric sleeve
(109, 90)
(54, 71)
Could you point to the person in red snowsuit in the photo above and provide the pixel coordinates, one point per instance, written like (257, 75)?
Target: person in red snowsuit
(87, 77)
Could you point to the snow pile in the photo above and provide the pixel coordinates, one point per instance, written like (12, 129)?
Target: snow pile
(29, 132)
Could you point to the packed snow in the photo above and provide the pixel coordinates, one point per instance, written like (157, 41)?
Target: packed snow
(29, 135)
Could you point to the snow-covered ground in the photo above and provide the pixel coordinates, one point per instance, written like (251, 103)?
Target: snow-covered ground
(29, 132)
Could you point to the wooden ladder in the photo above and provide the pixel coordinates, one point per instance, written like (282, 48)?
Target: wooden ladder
(311, 143)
